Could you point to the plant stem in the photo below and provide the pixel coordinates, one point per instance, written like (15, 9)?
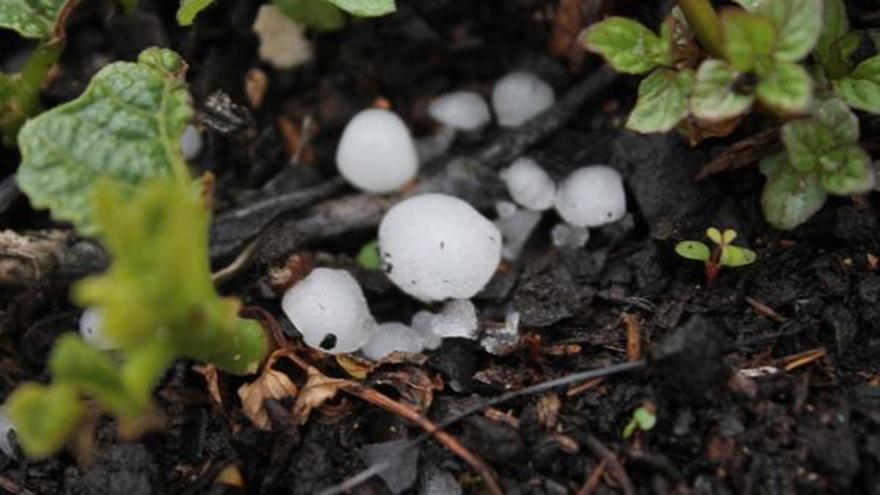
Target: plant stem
(706, 24)
(31, 78)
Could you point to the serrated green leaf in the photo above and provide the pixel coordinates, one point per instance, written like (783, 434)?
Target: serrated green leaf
(786, 89)
(735, 256)
(693, 250)
(715, 94)
(35, 19)
(835, 26)
(748, 39)
(798, 26)
(749, 5)
(189, 9)
(366, 8)
(126, 127)
(805, 142)
(847, 170)
(627, 45)
(790, 197)
(317, 14)
(861, 88)
(44, 416)
(839, 119)
(662, 102)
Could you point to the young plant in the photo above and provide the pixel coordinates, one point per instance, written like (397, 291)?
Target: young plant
(722, 253)
(643, 418)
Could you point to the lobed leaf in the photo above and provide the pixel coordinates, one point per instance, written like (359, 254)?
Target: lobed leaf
(662, 102)
(366, 8)
(318, 14)
(693, 250)
(798, 26)
(790, 197)
(839, 119)
(861, 88)
(715, 95)
(805, 142)
(44, 416)
(126, 126)
(627, 45)
(787, 88)
(748, 40)
(35, 19)
(189, 9)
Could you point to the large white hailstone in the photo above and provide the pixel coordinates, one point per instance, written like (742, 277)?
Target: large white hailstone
(376, 152)
(591, 196)
(330, 311)
(437, 247)
(462, 110)
(392, 337)
(519, 96)
(91, 328)
(529, 184)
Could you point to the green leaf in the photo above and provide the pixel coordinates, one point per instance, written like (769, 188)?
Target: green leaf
(790, 197)
(735, 256)
(44, 416)
(645, 418)
(189, 9)
(786, 89)
(839, 119)
(748, 39)
(835, 26)
(805, 142)
(798, 26)
(35, 19)
(663, 101)
(714, 235)
(693, 250)
(728, 237)
(627, 45)
(368, 258)
(126, 126)
(715, 94)
(861, 88)
(366, 8)
(317, 14)
(847, 170)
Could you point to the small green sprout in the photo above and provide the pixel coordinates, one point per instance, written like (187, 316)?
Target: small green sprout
(643, 418)
(723, 253)
(368, 258)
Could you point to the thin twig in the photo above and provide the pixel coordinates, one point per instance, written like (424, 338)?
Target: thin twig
(593, 481)
(614, 466)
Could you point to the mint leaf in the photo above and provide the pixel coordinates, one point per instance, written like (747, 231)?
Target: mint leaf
(805, 142)
(662, 102)
(627, 45)
(789, 197)
(835, 27)
(847, 170)
(715, 93)
(317, 14)
(861, 88)
(35, 19)
(798, 26)
(748, 39)
(125, 127)
(366, 8)
(839, 119)
(787, 88)
(189, 9)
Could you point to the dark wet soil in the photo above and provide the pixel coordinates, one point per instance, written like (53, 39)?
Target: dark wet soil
(748, 400)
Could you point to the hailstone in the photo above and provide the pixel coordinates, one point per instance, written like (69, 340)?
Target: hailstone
(529, 184)
(462, 110)
(376, 152)
(91, 329)
(591, 196)
(392, 337)
(520, 96)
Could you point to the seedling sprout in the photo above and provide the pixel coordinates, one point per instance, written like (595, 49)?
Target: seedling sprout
(723, 253)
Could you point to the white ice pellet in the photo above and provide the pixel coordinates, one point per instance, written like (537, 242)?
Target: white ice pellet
(503, 340)
(392, 337)
(506, 209)
(591, 196)
(190, 143)
(91, 328)
(6, 431)
(329, 310)
(422, 323)
(569, 236)
(519, 96)
(431, 147)
(458, 318)
(463, 110)
(529, 184)
(436, 247)
(516, 230)
(376, 152)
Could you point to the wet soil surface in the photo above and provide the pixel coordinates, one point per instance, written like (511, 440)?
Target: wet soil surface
(767, 382)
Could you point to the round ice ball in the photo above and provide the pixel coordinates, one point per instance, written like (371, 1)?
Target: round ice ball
(591, 196)
(330, 311)
(392, 337)
(436, 247)
(519, 96)
(376, 152)
(529, 184)
(464, 110)
(91, 328)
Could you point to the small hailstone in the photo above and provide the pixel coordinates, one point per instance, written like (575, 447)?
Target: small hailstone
(432, 147)
(519, 96)
(516, 230)
(376, 152)
(392, 337)
(505, 209)
(569, 236)
(190, 143)
(464, 110)
(91, 328)
(529, 184)
(7, 445)
(591, 196)
(458, 318)
(422, 322)
(329, 310)
(282, 41)
(437, 247)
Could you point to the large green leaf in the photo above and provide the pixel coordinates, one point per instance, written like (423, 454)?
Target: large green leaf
(716, 96)
(126, 127)
(787, 88)
(790, 197)
(748, 40)
(627, 45)
(805, 142)
(662, 102)
(189, 9)
(366, 8)
(317, 14)
(798, 25)
(34, 19)
(861, 88)
(847, 170)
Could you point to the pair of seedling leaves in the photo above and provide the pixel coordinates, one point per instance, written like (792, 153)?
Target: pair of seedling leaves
(722, 254)
(110, 163)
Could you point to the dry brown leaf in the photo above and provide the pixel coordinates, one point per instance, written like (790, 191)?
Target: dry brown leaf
(212, 381)
(356, 367)
(271, 384)
(415, 386)
(319, 389)
(696, 130)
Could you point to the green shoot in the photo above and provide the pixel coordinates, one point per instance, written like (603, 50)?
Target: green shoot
(643, 418)
(722, 253)
(368, 257)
